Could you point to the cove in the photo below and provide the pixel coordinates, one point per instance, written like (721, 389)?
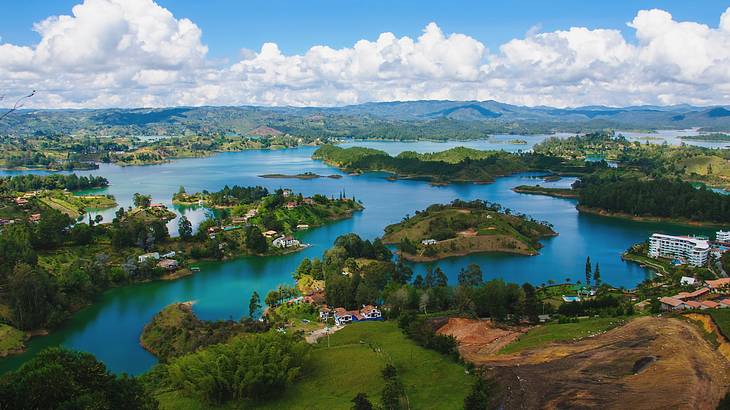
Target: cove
(110, 328)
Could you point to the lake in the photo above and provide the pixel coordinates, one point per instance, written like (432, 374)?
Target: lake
(111, 327)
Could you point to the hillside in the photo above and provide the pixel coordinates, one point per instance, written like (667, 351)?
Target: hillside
(463, 228)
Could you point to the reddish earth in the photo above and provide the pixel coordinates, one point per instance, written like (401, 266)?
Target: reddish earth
(649, 363)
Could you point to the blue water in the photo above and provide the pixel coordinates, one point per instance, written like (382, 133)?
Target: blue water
(110, 328)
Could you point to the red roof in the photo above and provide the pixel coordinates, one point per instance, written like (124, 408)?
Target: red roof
(693, 304)
(670, 301)
(718, 283)
(690, 295)
(710, 304)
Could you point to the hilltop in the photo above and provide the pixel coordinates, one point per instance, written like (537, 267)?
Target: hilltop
(462, 228)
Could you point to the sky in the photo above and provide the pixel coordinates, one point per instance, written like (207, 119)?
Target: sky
(145, 53)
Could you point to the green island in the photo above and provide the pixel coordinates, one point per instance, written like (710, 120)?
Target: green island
(305, 175)
(540, 190)
(461, 228)
(454, 165)
(711, 137)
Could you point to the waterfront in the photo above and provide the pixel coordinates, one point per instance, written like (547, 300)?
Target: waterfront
(110, 328)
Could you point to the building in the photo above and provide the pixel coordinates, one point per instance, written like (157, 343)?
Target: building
(686, 280)
(35, 218)
(170, 254)
(302, 227)
(342, 316)
(167, 264)
(669, 303)
(285, 242)
(146, 256)
(428, 242)
(692, 295)
(291, 205)
(370, 312)
(287, 192)
(269, 234)
(718, 285)
(694, 251)
(324, 312)
(722, 236)
(21, 201)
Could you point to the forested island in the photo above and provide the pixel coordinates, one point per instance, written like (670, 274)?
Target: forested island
(461, 228)
(455, 165)
(547, 191)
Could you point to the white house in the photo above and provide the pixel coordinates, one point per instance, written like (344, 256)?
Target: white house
(686, 280)
(170, 254)
(428, 242)
(324, 313)
(285, 242)
(151, 255)
(370, 312)
(694, 250)
(342, 316)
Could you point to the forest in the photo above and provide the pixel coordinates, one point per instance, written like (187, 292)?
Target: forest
(32, 182)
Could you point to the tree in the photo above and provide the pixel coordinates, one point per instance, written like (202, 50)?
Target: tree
(478, 398)
(185, 228)
(588, 271)
(402, 273)
(273, 298)
(361, 402)
(142, 201)
(255, 240)
(471, 276)
(440, 279)
(62, 379)
(304, 268)
(254, 304)
(597, 275)
(29, 293)
(15, 246)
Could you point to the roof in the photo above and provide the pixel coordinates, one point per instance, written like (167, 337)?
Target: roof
(725, 302)
(341, 312)
(693, 304)
(710, 304)
(689, 295)
(718, 283)
(670, 301)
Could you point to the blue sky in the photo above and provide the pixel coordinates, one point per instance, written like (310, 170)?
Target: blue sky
(229, 25)
(151, 53)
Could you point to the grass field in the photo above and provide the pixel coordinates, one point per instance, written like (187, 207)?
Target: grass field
(555, 332)
(352, 364)
(11, 339)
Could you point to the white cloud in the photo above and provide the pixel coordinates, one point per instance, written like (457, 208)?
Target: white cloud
(136, 53)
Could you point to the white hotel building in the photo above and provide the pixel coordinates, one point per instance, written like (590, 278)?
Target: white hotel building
(723, 236)
(694, 250)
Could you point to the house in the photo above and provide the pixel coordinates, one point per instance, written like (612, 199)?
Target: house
(146, 256)
(170, 254)
(287, 192)
(342, 316)
(158, 206)
(291, 205)
(269, 234)
(722, 236)
(718, 285)
(691, 295)
(686, 280)
(370, 312)
(691, 304)
(35, 218)
(302, 227)
(324, 312)
(285, 242)
(21, 201)
(709, 304)
(168, 264)
(543, 318)
(308, 201)
(239, 220)
(669, 303)
(724, 303)
(428, 242)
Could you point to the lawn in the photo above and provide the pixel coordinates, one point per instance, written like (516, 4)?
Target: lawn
(556, 332)
(11, 339)
(352, 364)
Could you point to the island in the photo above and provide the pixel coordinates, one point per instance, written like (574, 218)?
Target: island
(462, 228)
(540, 190)
(458, 164)
(304, 175)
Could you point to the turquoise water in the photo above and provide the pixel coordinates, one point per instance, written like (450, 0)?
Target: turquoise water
(110, 328)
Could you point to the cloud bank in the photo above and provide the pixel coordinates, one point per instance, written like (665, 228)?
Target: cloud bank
(134, 53)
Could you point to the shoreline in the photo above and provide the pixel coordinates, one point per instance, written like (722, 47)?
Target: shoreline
(655, 219)
(521, 189)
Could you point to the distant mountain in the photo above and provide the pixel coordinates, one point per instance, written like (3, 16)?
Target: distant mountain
(397, 119)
